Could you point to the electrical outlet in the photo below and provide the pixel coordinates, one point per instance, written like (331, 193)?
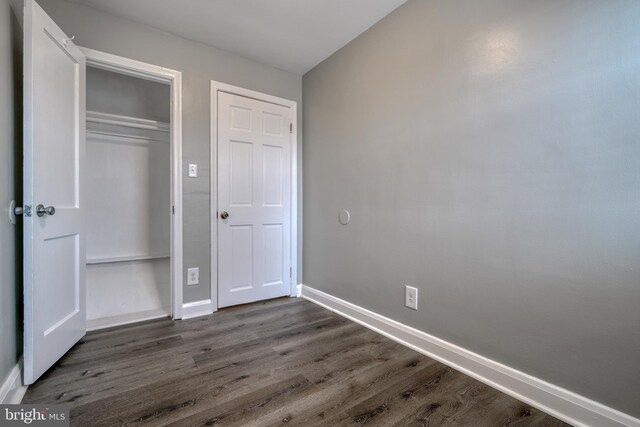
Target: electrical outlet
(193, 276)
(411, 297)
(193, 170)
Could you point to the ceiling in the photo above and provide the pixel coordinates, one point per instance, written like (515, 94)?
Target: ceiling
(293, 35)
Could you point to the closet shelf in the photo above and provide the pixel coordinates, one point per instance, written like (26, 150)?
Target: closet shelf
(128, 258)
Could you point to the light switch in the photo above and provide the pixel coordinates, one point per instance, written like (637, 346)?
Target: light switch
(193, 170)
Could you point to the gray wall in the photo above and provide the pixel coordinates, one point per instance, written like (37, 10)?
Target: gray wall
(10, 188)
(489, 153)
(199, 64)
(114, 93)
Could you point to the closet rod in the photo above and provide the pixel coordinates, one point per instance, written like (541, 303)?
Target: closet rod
(126, 121)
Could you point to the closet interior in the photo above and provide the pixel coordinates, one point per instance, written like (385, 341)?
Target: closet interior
(128, 170)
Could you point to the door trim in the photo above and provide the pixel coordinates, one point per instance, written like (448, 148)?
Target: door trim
(130, 67)
(235, 90)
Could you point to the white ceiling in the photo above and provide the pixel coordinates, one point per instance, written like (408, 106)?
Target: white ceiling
(293, 35)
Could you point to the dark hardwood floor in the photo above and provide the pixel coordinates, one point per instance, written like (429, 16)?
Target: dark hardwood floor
(285, 361)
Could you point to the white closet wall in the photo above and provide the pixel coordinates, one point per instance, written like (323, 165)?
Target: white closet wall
(109, 92)
(129, 178)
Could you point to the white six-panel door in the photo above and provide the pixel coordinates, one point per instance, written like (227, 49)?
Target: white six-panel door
(254, 190)
(54, 258)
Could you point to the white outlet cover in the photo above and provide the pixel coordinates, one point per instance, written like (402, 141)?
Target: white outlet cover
(193, 170)
(411, 297)
(193, 276)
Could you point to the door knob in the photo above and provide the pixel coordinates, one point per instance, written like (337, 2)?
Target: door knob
(224, 214)
(42, 211)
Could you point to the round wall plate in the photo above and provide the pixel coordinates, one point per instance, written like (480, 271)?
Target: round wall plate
(344, 217)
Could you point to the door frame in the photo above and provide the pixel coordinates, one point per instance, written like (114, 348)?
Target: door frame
(173, 78)
(236, 90)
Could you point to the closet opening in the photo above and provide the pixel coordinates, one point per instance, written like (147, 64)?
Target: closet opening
(130, 209)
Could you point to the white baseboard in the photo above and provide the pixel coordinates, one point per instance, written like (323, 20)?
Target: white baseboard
(556, 401)
(197, 308)
(12, 390)
(126, 319)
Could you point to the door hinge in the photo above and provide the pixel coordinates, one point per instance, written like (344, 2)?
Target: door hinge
(290, 271)
(290, 127)
(173, 209)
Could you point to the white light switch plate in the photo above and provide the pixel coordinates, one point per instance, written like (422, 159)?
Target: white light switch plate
(193, 276)
(193, 170)
(411, 297)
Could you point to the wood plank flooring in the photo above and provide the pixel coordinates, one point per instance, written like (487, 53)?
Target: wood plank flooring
(284, 361)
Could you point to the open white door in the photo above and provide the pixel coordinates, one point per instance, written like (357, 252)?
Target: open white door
(54, 250)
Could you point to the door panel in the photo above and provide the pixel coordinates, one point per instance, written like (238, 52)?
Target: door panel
(273, 171)
(242, 250)
(273, 254)
(54, 248)
(240, 165)
(254, 187)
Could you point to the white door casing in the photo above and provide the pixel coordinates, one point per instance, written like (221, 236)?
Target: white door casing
(254, 188)
(54, 144)
(173, 78)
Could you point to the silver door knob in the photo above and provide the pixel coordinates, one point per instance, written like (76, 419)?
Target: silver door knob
(224, 214)
(42, 211)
